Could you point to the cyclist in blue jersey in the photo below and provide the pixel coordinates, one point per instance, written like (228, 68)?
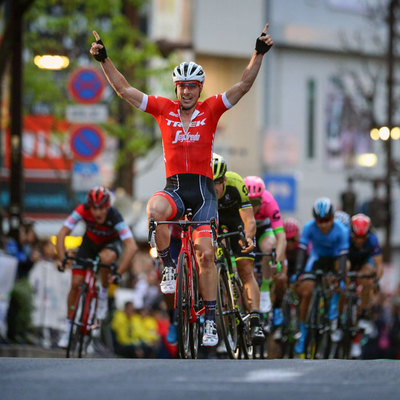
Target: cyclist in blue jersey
(329, 239)
(366, 257)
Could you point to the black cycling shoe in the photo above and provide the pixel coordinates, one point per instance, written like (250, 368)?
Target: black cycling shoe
(257, 335)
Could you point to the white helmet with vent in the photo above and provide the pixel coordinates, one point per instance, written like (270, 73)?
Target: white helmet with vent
(188, 71)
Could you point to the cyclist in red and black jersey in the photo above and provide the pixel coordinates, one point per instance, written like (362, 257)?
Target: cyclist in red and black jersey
(106, 232)
(187, 129)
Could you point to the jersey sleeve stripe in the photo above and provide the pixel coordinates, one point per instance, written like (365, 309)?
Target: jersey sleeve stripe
(123, 230)
(72, 220)
(145, 99)
(226, 101)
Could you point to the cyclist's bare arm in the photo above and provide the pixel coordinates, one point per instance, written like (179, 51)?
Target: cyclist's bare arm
(378, 260)
(130, 249)
(250, 227)
(117, 81)
(60, 247)
(280, 247)
(237, 91)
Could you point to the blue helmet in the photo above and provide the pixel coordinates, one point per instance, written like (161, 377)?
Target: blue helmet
(323, 208)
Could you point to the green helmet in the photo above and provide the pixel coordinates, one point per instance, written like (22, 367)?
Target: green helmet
(219, 166)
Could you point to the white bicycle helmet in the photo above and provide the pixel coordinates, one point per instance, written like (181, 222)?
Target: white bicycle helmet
(188, 71)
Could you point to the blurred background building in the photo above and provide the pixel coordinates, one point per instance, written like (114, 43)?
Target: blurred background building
(305, 125)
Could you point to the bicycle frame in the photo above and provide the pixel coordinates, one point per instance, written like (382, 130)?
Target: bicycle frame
(86, 320)
(188, 249)
(188, 313)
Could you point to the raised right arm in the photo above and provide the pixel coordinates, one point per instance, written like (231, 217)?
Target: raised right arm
(117, 81)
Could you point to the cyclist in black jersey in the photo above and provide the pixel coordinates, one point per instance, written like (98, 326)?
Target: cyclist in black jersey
(234, 209)
(106, 232)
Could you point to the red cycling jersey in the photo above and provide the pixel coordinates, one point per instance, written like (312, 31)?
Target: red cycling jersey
(114, 226)
(187, 152)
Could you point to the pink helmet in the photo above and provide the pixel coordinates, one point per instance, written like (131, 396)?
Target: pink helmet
(255, 186)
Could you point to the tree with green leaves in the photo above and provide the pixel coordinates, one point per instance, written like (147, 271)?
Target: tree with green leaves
(64, 27)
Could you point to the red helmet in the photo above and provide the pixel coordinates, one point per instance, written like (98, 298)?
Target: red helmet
(291, 227)
(360, 224)
(99, 197)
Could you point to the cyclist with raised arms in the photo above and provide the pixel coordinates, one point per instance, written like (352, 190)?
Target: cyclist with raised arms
(270, 234)
(106, 232)
(365, 257)
(330, 246)
(187, 130)
(234, 209)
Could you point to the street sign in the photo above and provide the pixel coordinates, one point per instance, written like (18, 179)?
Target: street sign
(283, 188)
(83, 114)
(87, 142)
(86, 85)
(85, 175)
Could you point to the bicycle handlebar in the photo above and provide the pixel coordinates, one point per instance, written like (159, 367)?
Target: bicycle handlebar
(88, 263)
(355, 275)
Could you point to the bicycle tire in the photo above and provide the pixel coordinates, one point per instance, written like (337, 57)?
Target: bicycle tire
(194, 331)
(74, 348)
(290, 326)
(312, 323)
(344, 347)
(227, 313)
(90, 316)
(183, 307)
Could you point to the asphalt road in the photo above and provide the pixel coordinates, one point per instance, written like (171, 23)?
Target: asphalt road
(45, 378)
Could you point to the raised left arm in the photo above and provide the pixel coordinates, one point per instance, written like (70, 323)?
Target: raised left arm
(237, 91)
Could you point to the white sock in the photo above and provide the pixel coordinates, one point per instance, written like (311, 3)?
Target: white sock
(103, 293)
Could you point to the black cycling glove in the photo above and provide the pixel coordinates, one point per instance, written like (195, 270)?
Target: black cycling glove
(262, 47)
(101, 57)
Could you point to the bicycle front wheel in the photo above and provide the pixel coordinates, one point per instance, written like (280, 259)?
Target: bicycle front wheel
(183, 307)
(194, 329)
(76, 333)
(227, 313)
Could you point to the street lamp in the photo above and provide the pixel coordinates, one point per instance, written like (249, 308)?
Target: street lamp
(52, 62)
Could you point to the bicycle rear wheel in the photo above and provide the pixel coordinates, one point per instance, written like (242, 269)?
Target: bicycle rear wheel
(183, 307)
(227, 313)
(194, 329)
(76, 333)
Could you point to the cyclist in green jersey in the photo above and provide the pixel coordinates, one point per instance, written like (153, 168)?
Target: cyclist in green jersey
(234, 209)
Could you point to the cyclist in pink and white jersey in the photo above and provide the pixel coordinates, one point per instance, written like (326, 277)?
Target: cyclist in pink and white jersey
(187, 129)
(270, 234)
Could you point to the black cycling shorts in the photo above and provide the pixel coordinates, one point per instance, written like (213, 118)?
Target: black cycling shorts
(193, 191)
(89, 249)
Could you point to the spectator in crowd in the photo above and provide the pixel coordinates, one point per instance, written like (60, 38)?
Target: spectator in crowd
(25, 248)
(130, 333)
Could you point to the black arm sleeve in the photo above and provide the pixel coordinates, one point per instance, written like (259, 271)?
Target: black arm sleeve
(301, 258)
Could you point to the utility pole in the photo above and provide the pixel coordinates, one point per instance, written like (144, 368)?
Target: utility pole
(388, 143)
(16, 176)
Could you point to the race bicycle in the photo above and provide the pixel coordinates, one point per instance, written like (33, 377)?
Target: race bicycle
(349, 318)
(83, 314)
(188, 302)
(290, 328)
(318, 324)
(232, 314)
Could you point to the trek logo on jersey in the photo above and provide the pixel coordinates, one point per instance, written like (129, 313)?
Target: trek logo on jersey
(193, 124)
(186, 137)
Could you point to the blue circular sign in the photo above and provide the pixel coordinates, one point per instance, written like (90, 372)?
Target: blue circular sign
(86, 85)
(87, 142)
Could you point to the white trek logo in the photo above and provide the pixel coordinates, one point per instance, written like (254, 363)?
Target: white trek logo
(186, 137)
(193, 124)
